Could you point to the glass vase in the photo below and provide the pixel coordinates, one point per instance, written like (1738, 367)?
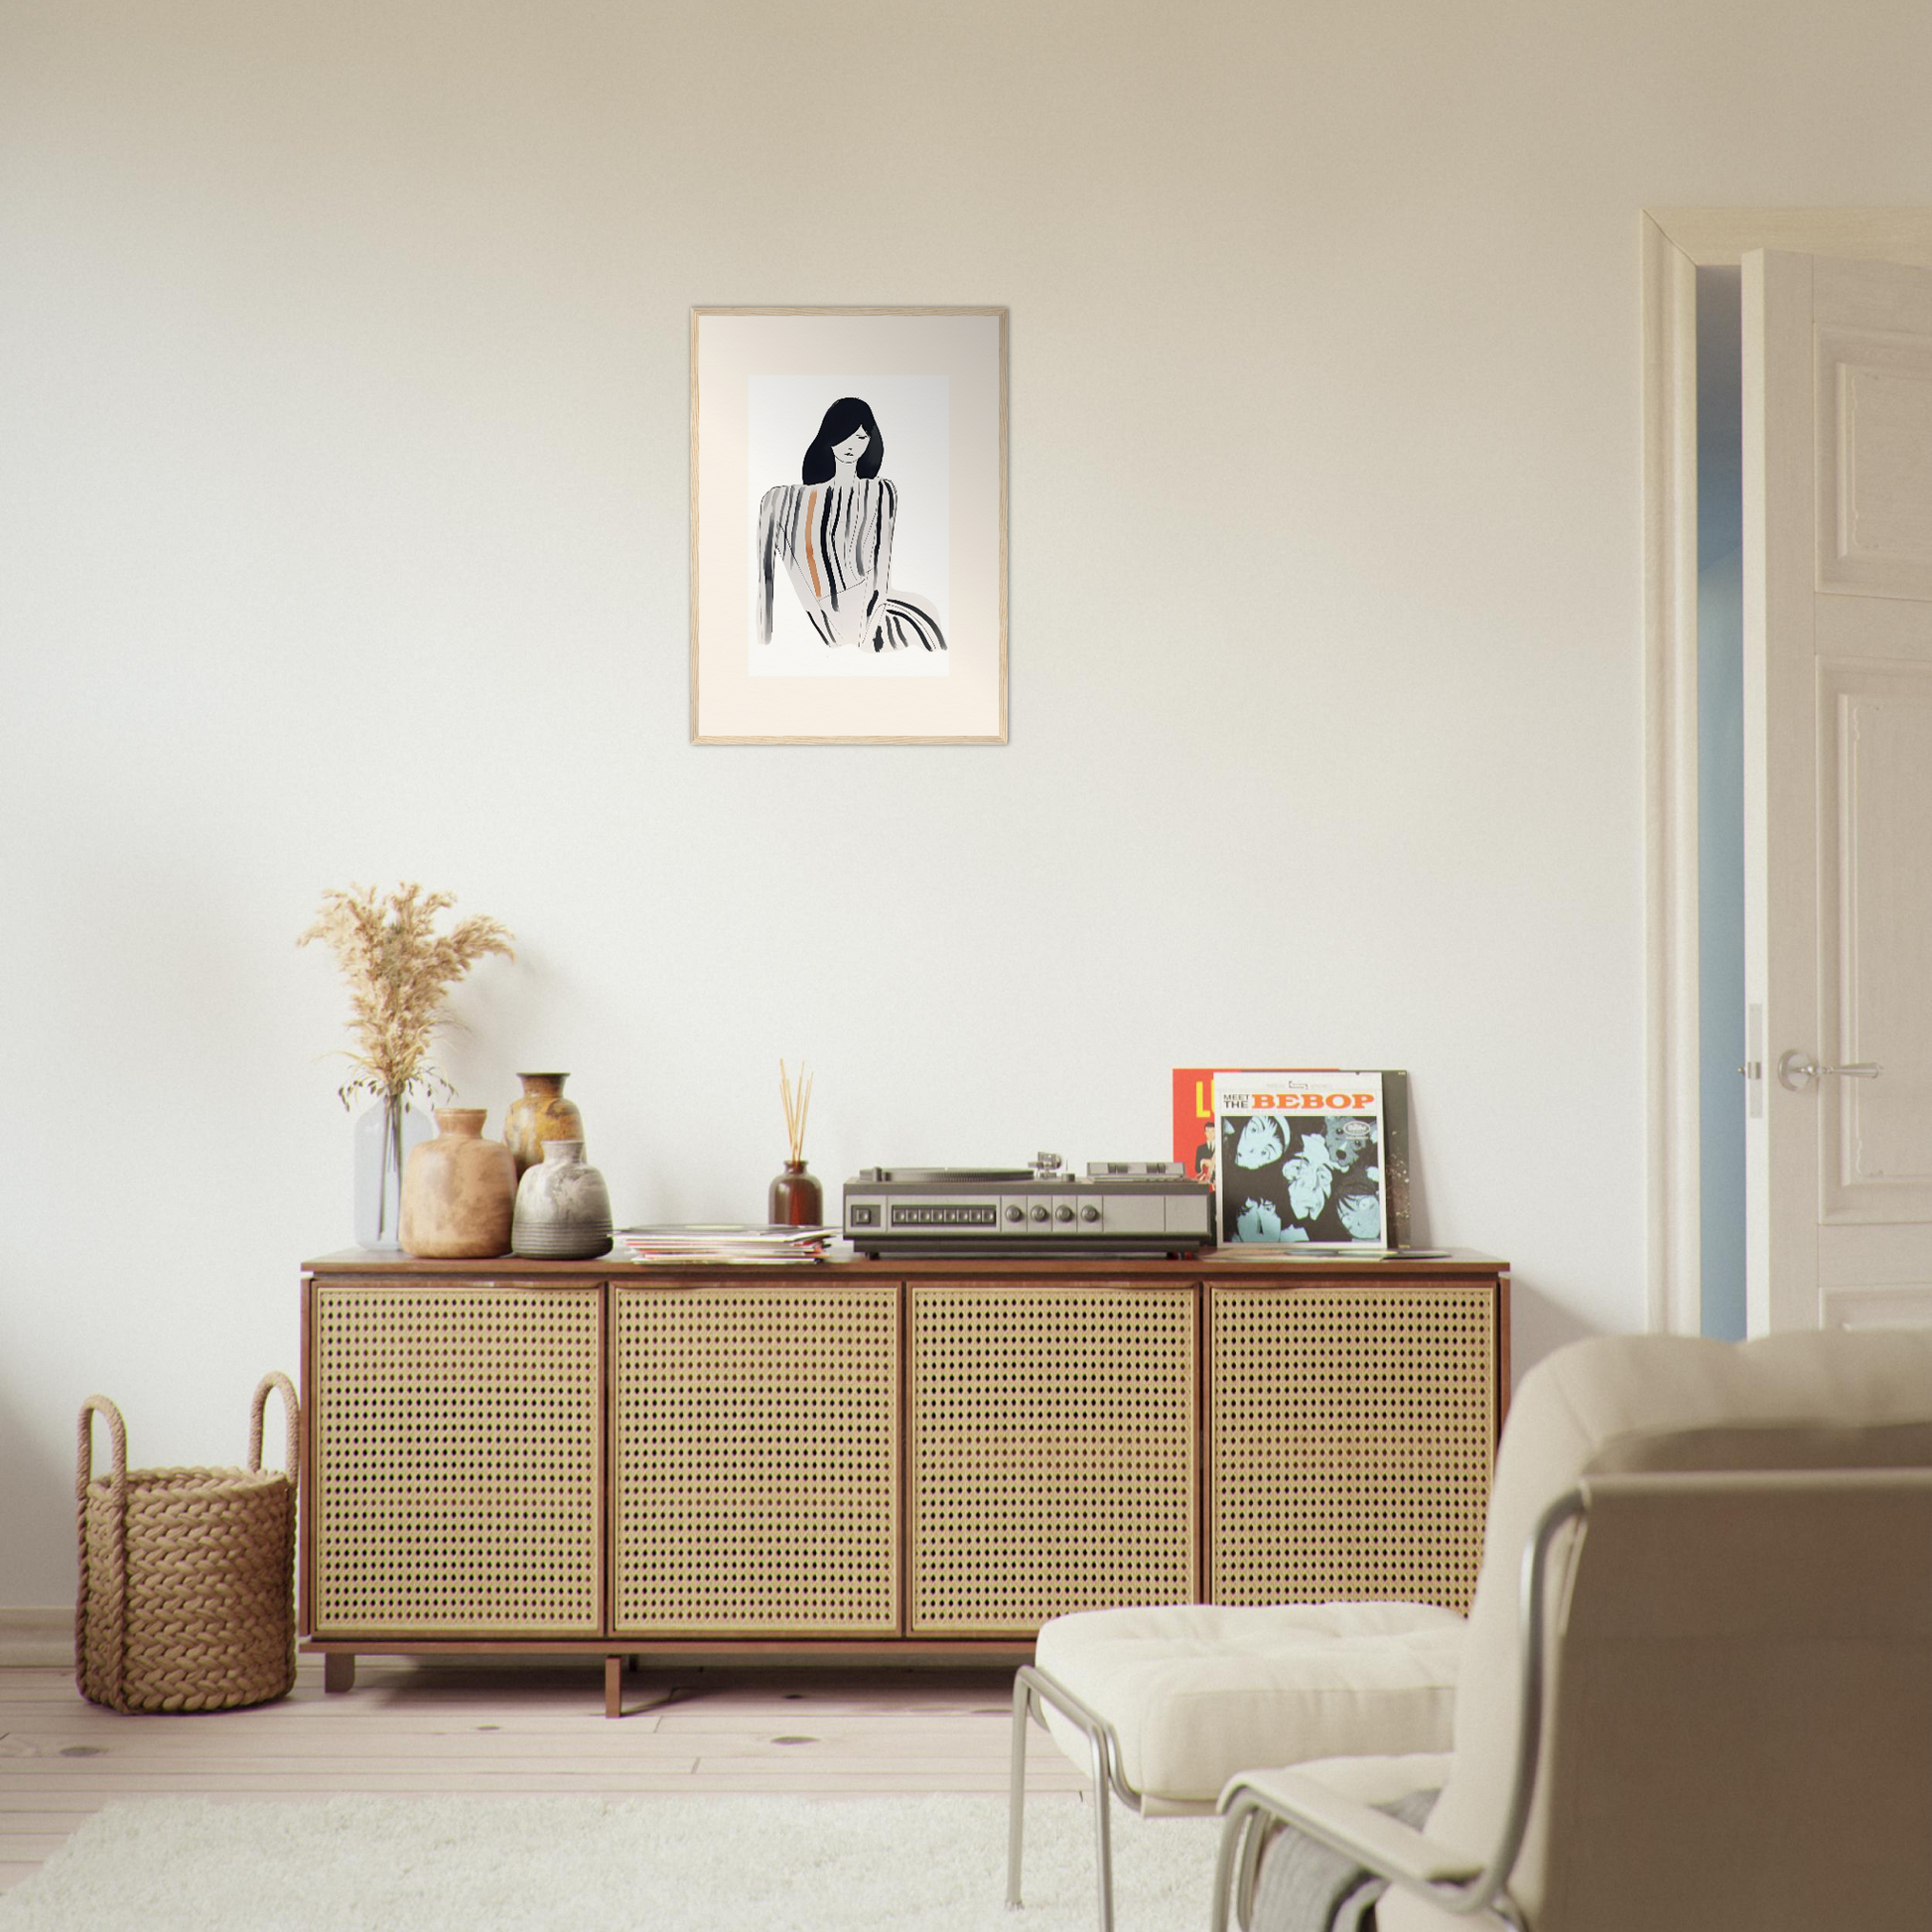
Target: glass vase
(795, 1199)
(384, 1135)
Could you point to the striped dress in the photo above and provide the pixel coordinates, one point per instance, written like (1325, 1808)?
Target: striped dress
(835, 540)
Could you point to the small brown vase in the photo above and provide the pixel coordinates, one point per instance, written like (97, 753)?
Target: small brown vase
(459, 1190)
(540, 1113)
(795, 1201)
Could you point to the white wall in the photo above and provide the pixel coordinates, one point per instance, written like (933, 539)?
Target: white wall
(342, 442)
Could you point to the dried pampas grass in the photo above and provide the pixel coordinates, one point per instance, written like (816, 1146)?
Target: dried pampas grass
(398, 969)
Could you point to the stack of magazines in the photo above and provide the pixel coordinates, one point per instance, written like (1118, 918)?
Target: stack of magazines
(698, 1241)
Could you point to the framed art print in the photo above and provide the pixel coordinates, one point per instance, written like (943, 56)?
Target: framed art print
(849, 526)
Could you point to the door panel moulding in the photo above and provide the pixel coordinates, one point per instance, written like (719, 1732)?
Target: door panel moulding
(1675, 243)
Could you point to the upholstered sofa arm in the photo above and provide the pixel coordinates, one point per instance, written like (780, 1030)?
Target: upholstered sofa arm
(1372, 1780)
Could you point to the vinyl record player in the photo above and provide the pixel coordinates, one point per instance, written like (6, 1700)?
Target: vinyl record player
(1129, 1207)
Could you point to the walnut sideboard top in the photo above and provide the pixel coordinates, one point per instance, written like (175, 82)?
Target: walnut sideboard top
(1277, 1265)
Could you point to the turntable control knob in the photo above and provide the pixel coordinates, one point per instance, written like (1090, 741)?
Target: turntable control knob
(1063, 1213)
(1040, 1214)
(1015, 1212)
(1089, 1212)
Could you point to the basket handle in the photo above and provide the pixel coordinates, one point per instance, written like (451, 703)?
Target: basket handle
(291, 1408)
(117, 1432)
(112, 1638)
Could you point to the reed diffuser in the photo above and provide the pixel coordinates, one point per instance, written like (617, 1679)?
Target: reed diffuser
(795, 1201)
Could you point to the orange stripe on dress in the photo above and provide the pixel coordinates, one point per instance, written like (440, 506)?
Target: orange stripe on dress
(811, 563)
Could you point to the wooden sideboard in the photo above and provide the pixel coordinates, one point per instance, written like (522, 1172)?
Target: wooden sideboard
(878, 1459)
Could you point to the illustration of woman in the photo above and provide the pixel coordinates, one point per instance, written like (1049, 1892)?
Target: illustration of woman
(833, 530)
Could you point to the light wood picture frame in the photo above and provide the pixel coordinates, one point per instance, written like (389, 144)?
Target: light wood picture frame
(849, 526)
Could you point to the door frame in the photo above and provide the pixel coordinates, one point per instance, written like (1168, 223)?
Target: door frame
(1675, 243)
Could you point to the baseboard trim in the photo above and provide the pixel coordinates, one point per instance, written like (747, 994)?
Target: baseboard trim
(39, 1636)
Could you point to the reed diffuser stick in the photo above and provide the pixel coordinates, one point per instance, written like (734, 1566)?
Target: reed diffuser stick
(797, 1104)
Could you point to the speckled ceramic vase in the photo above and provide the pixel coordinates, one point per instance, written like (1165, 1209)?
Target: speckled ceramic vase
(540, 1113)
(459, 1190)
(563, 1209)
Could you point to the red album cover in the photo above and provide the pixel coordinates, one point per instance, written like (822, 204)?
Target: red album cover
(1193, 1113)
(1194, 1120)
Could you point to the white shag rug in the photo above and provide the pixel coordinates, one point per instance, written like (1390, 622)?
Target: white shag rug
(754, 1863)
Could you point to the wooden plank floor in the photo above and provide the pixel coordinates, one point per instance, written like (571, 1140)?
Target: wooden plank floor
(510, 1728)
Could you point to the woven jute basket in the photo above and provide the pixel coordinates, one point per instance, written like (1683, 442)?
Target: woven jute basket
(186, 1576)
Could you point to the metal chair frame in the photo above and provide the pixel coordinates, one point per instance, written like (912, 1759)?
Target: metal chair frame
(1253, 1816)
(1033, 1689)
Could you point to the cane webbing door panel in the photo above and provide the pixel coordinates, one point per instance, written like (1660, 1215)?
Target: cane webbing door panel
(1054, 1461)
(855, 1457)
(1351, 1434)
(756, 1454)
(456, 1459)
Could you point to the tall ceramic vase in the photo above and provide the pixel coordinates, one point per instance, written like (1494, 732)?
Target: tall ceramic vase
(541, 1113)
(384, 1135)
(459, 1190)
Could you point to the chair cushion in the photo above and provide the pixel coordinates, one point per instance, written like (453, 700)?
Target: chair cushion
(1198, 1692)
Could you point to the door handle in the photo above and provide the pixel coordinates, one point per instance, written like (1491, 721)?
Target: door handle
(1797, 1070)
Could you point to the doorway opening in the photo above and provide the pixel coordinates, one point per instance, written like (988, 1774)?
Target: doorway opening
(1693, 1048)
(1720, 799)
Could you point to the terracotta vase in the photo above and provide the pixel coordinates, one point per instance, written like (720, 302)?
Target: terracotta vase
(540, 1113)
(563, 1209)
(459, 1190)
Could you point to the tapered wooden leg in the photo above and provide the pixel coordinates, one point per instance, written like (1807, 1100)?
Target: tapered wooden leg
(339, 1670)
(613, 1687)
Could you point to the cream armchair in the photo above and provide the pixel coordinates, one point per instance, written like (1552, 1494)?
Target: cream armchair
(1697, 1684)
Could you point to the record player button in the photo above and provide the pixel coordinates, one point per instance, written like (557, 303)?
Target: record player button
(1040, 1214)
(1063, 1213)
(1089, 1212)
(1015, 1212)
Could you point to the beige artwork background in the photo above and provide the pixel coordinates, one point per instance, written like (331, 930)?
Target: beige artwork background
(969, 347)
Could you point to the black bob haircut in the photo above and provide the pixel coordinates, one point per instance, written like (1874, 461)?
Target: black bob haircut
(844, 416)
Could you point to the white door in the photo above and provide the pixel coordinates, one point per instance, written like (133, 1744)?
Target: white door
(1838, 780)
